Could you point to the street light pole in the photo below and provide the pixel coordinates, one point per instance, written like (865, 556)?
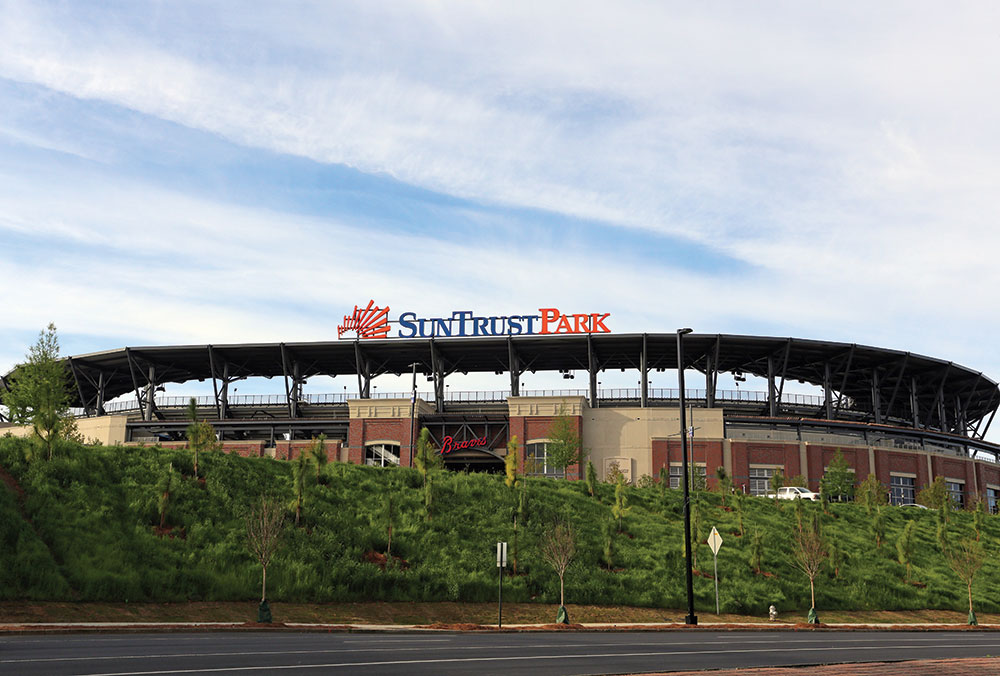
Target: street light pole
(413, 406)
(691, 617)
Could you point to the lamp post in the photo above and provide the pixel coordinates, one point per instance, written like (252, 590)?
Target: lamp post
(413, 406)
(691, 617)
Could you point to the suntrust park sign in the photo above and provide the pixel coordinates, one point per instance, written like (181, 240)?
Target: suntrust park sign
(372, 321)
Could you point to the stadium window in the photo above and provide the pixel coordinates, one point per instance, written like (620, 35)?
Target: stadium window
(760, 479)
(992, 499)
(677, 472)
(902, 489)
(956, 491)
(382, 454)
(536, 461)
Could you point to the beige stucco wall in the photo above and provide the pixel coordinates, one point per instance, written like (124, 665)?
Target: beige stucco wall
(628, 433)
(530, 407)
(386, 408)
(107, 429)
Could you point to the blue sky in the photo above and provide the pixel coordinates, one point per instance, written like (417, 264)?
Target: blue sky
(195, 172)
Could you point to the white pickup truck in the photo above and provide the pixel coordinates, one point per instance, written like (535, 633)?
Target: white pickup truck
(795, 493)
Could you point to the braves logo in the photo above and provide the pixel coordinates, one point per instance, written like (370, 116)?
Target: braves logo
(370, 321)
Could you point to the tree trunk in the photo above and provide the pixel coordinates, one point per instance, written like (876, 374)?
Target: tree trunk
(812, 592)
(196, 463)
(970, 597)
(263, 585)
(388, 549)
(562, 595)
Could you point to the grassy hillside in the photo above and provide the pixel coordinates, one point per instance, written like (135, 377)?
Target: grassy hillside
(85, 529)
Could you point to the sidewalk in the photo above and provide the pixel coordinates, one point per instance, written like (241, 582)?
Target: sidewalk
(953, 667)
(41, 627)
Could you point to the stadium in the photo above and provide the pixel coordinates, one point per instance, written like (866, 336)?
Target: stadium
(904, 417)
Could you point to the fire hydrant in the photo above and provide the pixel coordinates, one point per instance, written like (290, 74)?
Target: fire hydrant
(772, 613)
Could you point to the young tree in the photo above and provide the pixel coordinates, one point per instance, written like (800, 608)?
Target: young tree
(426, 459)
(935, 494)
(756, 550)
(317, 451)
(428, 495)
(810, 553)
(838, 480)
(966, 559)
(904, 547)
(165, 487)
(200, 435)
(564, 448)
(558, 547)
(800, 513)
(608, 555)
(871, 493)
(777, 481)
(620, 509)
(941, 532)
(39, 393)
(388, 517)
(591, 479)
(724, 481)
(978, 516)
(695, 531)
(264, 525)
(300, 468)
(739, 499)
(520, 516)
(510, 463)
(878, 526)
(837, 557)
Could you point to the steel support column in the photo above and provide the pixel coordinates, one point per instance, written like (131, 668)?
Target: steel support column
(895, 388)
(827, 391)
(364, 375)
(438, 374)
(772, 408)
(215, 383)
(592, 370)
(843, 382)
(876, 396)
(644, 376)
(914, 402)
(100, 394)
(79, 389)
(150, 394)
(514, 368)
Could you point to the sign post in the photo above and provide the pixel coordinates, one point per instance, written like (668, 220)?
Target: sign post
(501, 564)
(715, 542)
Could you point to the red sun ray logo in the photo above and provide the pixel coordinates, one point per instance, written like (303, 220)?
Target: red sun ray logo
(370, 321)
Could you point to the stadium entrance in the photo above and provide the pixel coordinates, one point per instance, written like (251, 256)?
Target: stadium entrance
(469, 442)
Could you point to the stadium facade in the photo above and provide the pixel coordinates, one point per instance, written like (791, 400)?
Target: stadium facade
(904, 417)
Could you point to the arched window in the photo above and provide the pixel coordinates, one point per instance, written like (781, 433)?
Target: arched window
(382, 454)
(536, 459)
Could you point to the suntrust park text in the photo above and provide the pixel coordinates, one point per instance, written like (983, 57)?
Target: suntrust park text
(464, 323)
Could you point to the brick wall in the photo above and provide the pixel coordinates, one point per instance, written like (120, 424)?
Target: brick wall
(537, 427)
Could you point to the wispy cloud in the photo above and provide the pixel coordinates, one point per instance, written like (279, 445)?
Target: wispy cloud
(841, 159)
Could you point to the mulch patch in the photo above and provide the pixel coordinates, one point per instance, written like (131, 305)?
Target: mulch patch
(379, 559)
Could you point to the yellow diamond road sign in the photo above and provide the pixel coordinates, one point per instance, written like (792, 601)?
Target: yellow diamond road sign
(715, 541)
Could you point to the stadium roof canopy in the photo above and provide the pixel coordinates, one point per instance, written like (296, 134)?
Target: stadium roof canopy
(887, 384)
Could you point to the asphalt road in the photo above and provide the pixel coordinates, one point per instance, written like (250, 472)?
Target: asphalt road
(442, 653)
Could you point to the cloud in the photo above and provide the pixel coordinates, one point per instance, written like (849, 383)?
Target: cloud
(844, 156)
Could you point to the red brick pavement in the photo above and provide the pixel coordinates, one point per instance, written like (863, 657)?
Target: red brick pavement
(958, 667)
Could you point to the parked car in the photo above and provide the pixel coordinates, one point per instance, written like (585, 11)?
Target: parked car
(795, 493)
(914, 504)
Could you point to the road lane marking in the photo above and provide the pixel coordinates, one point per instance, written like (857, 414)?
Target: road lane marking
(563, 656)
(844, 644)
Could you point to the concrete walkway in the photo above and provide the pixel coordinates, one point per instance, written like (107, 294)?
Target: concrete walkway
(622, 626)
(953, 667)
